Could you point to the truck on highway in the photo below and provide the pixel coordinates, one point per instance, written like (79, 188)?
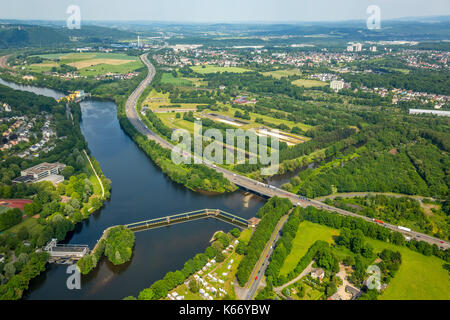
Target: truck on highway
(403, 228)
(378, 221)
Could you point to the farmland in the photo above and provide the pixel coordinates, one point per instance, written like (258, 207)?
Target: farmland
(88, 64)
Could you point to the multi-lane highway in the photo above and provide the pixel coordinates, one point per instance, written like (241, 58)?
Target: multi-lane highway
(245, 182)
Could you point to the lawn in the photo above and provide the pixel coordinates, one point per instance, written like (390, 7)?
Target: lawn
(170, 79)
(309, 83)
(307, 234)
(245, 235)
(214, 69)
(278, 74)
(419, 277)
(108, 66)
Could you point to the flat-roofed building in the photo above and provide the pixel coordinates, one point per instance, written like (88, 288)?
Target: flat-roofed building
(53, 178)
(431, 111)
(40, 171)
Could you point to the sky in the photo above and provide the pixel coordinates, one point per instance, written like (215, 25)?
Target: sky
(221, 10)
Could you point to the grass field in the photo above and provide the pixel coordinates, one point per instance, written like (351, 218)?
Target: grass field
(90, 64)
(103, 68)
(214, 69)
(278, 74)
(419, 277)
(4, 209)
(309, 83)
(170, 79)
(30, 223)
(307, 234)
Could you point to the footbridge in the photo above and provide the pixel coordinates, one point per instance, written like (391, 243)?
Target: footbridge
(189, 216)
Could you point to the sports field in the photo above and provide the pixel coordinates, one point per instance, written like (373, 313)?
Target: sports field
(14, 203)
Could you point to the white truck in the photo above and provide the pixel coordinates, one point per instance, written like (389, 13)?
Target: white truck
(404, 228)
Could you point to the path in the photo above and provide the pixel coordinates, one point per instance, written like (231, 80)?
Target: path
(95, 172)
(307, 270)
(3, 63)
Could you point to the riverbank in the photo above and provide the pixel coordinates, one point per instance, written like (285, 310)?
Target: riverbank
(141, 192)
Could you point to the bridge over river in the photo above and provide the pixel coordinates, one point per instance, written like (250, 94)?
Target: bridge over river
(189, 216)
(61, 253)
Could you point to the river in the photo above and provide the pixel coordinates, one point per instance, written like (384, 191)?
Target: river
(140, 191)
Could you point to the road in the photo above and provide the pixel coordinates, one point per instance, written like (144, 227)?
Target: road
(245, 182)
(263, 261)
(307, 270)
(363, 194)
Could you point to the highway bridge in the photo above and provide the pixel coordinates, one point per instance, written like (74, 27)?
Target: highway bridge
(189, 216)
(246, 183)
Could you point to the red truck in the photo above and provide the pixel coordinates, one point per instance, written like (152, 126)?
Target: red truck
(379, 221)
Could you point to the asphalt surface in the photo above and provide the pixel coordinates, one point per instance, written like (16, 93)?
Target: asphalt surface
(245, 182)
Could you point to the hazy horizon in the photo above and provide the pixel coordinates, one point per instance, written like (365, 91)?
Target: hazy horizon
(231, 11)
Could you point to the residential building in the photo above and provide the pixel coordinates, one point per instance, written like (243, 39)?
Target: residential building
(318, 274)
(337, 85)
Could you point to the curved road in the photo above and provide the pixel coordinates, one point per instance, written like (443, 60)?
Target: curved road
(245, 182)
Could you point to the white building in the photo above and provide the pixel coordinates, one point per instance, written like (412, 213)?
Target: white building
(436, 112)
(337, 85)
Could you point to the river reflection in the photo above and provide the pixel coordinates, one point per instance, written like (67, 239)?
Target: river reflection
(139, 191)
